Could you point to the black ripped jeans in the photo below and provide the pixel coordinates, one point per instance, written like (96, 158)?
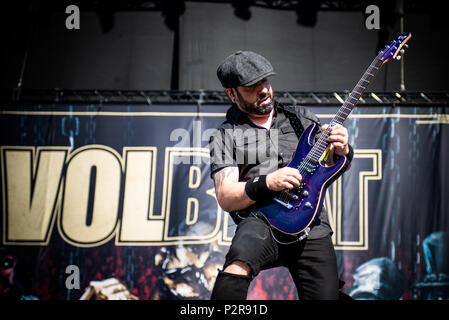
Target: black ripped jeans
(312, 262)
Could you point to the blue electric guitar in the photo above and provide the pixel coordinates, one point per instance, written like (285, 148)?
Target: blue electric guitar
(293, 211)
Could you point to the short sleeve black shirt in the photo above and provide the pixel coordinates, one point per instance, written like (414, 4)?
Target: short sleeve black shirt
(238, 142)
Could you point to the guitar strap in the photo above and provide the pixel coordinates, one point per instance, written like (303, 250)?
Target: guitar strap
(290, 113)
(299, 120)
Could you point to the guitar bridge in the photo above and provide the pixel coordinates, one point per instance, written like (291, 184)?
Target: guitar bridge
(285, 204)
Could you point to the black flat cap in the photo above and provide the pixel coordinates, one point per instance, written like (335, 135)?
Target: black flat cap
(243, 68)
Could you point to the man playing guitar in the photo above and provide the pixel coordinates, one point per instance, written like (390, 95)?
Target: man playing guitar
(249, 156)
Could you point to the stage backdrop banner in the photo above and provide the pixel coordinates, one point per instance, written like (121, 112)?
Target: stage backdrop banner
(96, 197)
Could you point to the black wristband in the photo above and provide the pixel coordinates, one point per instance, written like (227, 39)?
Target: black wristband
(256, 188)
(350, 155)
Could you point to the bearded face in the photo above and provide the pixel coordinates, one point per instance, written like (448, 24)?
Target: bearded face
(256, 99)
(263, 105)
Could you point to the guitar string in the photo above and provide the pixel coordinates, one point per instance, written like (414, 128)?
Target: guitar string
(322, 143)
(369, 74)
(315, 154)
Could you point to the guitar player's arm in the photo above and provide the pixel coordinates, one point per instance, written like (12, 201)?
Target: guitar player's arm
(231, 195)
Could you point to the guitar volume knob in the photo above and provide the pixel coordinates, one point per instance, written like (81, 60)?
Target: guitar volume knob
(308, 205)
(305, 193)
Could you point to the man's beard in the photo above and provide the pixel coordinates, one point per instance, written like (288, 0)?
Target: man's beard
(257, 108)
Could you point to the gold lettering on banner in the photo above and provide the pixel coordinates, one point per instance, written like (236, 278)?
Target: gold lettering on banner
(191, 219)
(139, 226)
(194, 171)
(73, 220)
(30, 184)
(333, 203)
(194, 183)
(81, 191)
(174, 157)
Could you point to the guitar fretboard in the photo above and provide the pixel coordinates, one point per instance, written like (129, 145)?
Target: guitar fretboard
(344, 111)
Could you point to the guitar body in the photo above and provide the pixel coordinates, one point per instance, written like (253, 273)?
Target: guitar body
(310, 195)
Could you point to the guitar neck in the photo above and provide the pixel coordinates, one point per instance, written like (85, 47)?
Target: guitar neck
(344, 111)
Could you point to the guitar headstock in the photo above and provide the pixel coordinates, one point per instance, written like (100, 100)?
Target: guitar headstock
(392, 50)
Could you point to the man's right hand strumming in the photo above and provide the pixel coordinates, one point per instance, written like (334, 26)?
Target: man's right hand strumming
(233, 195)
(284, 178)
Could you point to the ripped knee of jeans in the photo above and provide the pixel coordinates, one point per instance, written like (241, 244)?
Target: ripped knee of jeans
(240, 268)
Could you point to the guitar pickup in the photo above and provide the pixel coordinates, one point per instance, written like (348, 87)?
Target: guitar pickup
(310, 167)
